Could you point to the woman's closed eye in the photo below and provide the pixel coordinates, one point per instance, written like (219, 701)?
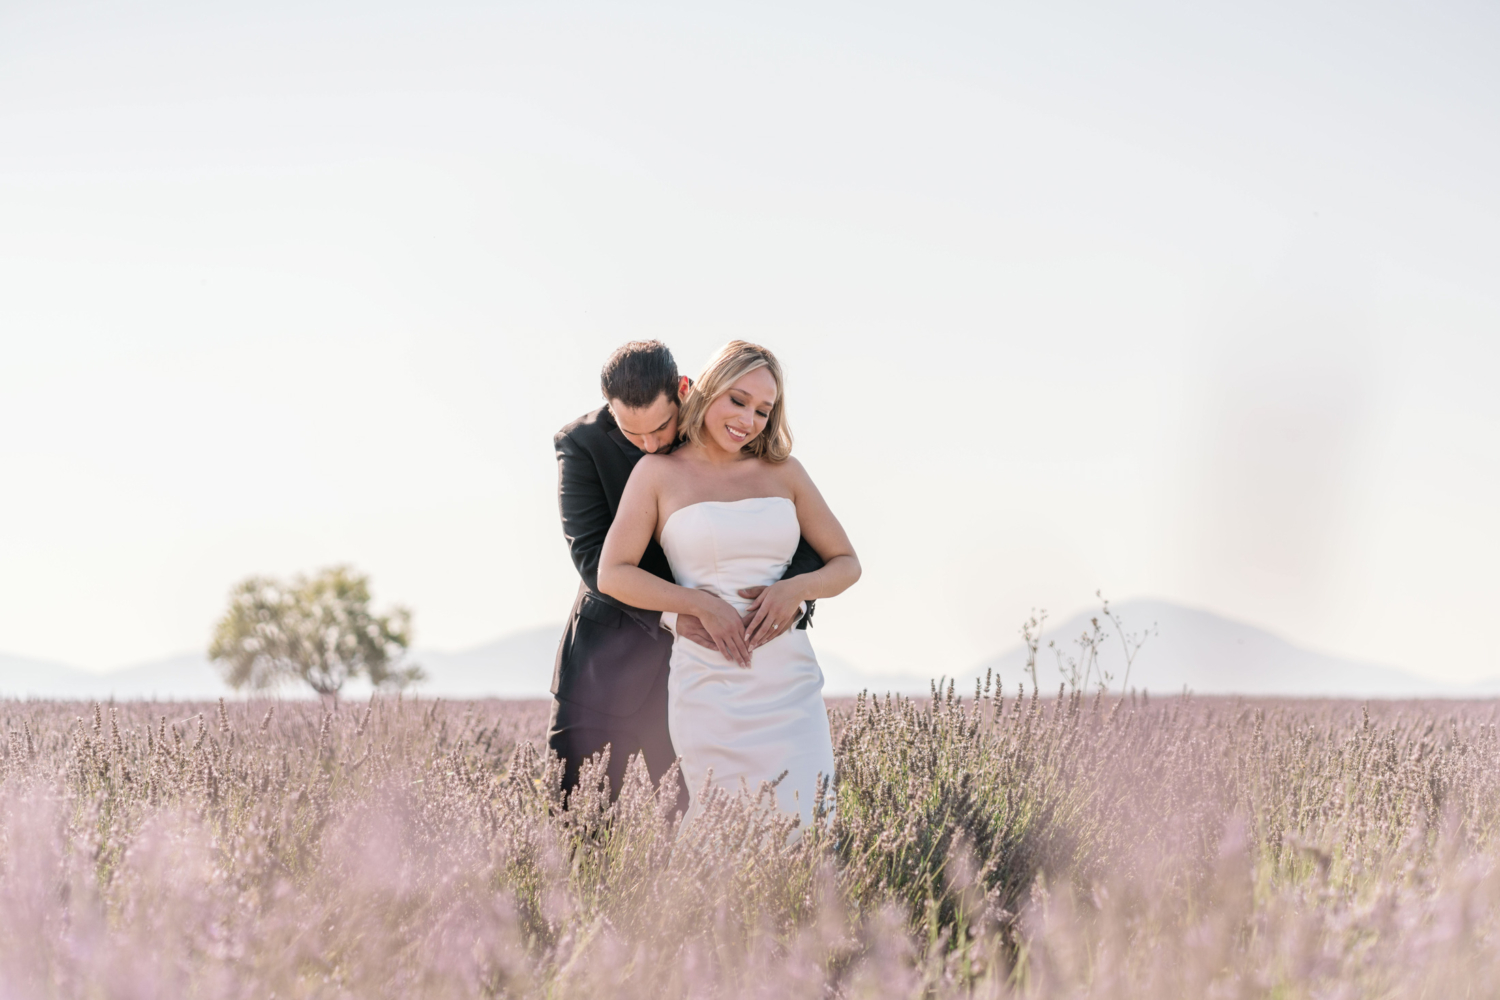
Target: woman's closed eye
(762, 414)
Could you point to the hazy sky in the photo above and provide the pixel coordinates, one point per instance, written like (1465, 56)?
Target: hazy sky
(1196, 301)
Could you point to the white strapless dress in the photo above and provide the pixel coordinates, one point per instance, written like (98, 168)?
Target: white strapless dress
(745, 726)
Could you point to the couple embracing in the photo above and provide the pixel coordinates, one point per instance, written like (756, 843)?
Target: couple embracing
(702, 547)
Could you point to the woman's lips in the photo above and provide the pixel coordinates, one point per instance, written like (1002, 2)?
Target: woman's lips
(737, 436)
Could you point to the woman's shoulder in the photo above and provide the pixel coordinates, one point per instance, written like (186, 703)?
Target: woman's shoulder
(650, 466)
(788, 469)
(657, 468)
(786, 477)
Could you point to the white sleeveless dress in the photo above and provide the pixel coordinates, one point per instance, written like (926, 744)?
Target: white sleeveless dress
(745, 725)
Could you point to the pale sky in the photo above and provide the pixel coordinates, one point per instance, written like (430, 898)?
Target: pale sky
(1194, 301)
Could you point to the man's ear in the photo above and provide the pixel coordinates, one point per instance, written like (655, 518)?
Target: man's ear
(683, 385)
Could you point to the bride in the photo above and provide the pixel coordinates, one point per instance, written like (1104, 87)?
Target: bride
(728, 507)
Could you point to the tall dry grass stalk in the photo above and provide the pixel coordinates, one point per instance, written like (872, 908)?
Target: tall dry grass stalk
(984, 846)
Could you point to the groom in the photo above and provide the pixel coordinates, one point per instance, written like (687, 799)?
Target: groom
(609, 684)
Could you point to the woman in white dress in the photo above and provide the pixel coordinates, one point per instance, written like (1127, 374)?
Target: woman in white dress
(728, 507)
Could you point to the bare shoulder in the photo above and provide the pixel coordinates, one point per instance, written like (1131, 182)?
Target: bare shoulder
(651, 469)
(791, 477)
(792, 472)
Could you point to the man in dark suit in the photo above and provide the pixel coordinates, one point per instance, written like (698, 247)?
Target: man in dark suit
(609, 684)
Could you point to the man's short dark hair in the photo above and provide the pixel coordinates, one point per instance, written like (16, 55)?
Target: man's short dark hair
(638, 372)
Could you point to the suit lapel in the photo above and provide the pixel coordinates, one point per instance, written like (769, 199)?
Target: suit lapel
(630, 450)
(618, 436)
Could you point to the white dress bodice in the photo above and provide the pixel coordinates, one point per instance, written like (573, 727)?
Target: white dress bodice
(724, 546)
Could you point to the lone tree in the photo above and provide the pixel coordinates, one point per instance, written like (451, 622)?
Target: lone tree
(318, 629)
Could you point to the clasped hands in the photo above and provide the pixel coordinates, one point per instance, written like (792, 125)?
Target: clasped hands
(772, 611)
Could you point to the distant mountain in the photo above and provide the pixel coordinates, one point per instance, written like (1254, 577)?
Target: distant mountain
(187, 677)
(1210, 654)
(21, 677)
(842, 678)
(518, 665)
(515, 666)
(1202, 651)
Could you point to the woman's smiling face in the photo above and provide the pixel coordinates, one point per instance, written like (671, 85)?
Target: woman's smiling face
(740, 413)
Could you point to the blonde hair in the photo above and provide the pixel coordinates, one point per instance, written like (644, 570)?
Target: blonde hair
(734, 361)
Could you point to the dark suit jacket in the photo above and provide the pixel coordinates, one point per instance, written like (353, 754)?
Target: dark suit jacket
(611, 653)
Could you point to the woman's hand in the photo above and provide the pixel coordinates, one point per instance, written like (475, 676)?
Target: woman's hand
(773, 611)
(725, 627)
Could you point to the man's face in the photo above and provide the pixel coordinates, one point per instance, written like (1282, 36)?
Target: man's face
(650, 428)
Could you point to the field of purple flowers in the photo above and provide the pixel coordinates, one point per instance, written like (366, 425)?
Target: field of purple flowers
(979, 846)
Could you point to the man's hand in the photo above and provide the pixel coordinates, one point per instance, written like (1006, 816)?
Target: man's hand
(772, 611)
(689, 627)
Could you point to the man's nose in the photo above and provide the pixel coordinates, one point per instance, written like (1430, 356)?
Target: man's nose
(649, 446)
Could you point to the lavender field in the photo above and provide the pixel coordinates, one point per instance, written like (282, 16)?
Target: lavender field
(989, 846)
